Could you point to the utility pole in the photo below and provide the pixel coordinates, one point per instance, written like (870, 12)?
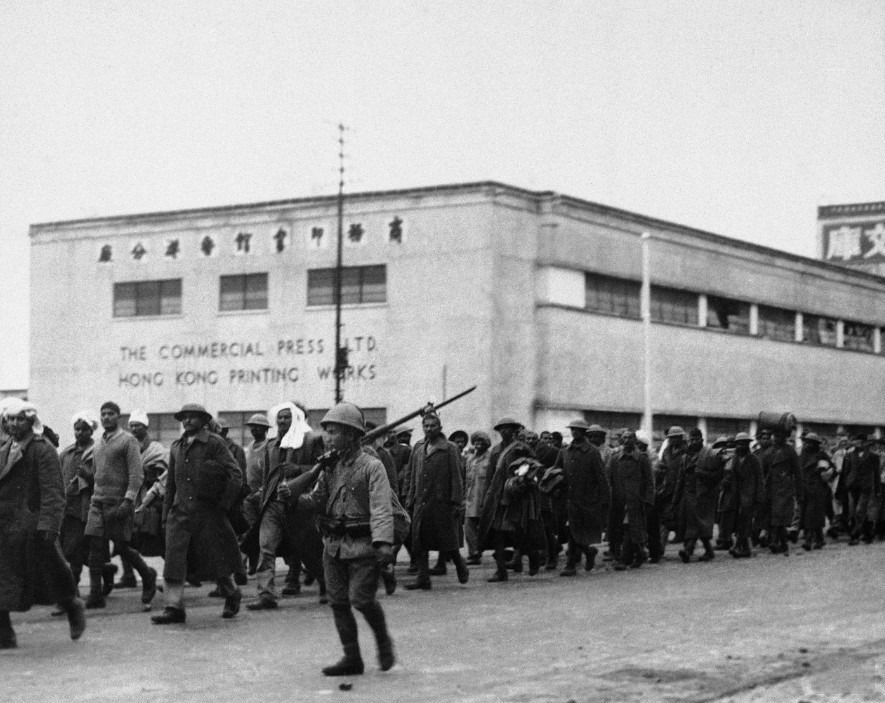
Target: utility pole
(340, 353)
(645, 305)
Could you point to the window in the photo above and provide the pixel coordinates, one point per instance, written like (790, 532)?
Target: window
(858, 336)
(143, 298)
(775, 323)
(359, 285)
(730, 315)
(615, 296)
(244, 292)
(678, 307)
(819, 330)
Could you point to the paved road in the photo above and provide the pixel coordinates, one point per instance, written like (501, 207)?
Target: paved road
(810, 627)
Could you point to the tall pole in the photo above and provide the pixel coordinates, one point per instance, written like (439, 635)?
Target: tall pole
(645, 302)
(340, 362)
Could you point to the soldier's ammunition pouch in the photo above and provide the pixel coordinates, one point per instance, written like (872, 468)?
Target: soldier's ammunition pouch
(330, 527)
(357, 527)
(338, 527)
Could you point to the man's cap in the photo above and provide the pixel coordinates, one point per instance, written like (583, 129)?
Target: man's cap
(223, 424)
(139, 416)
(720, 442)
(695, 432)
(595, 429)
(258, 419)
(742, 437)
(579, 424)
(812, 437)
(675, 431)
(192, 408)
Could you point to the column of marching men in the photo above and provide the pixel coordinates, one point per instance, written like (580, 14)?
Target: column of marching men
(339, 510)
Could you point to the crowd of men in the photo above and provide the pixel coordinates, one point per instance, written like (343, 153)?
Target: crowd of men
(341, 504)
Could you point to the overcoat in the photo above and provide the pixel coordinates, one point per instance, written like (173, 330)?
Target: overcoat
(494, 505)
(815, 489)
(436, 494)
(633, 489)
(782, 484)
(749, 490)
(78, 475)
(697, 493)
(588, 492)
(199, 538)
(477, 482)
(31, 498)
(666, 478)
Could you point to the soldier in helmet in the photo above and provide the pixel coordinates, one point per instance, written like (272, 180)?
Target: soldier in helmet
(666, 478)
(817, 469)
(748, 493)
(355, 502)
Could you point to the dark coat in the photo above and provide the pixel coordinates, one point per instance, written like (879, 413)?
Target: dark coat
(200, 540)
(78, 475)
(747, 477)
(588, 492)
(697, 493)
(435, 496)
(782, 484)
(32, 498)
(815, 489)
(666, 479)
(499, 513)
(861, 471)
(633, 490)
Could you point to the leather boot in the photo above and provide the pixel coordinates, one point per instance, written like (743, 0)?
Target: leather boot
(7, 634)
(374, 615)
(461, 568)
(76, 617)
(534, 562)
(708, 554)
(351, 663)
(96, 589)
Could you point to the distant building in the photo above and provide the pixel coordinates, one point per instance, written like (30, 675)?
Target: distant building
(14, 393)
(853, 235)
(532, 296)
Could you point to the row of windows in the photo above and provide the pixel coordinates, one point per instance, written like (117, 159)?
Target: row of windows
(359, 285)
(617, 296)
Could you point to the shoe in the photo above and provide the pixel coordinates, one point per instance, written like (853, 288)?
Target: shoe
(639, 559)
(413, 569)
(419, 586)
(76, 618)
(347, 666)
(620, 566)
(240, 578)
(515, 566)
(292, 590)
(308, 579)
(438, 570)
(474, 560)
(854, 541)
(708, 555)
(215, 593)
(386, 658)
(194, 581)
(127, 581)
(169, 616)
(806, 546)
(656, 559)
(95, 600)
(232, 605)
(793, 536)
(263, 603)
(591, 559)
(324, 599)
(149, 587)
(107, 576)
(463, 572)
(569, 570)
(388, 576)
(817, 545)
(498, 577)
(685, 556)
(58, 612)
(7, 639)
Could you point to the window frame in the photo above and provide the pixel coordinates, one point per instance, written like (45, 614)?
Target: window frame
(355, 288)
(142, 298)
(242, 295)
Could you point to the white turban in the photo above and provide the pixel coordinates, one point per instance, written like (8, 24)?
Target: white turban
(294, 438)
(85, 416)
(139, 416)
(15, 406)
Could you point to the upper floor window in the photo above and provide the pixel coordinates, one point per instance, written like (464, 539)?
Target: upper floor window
(675, 306)
(359, 285)
(246, 291)
(858, 336)
(615, 296)
(727, 314)
(776, 323)
(142, 298)
(819, 330)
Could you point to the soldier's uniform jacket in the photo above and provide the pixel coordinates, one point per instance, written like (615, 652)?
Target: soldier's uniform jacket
(78, 474)
(783, 484)
(357, 492)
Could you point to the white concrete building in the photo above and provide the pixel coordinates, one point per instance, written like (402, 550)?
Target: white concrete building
(532, 296)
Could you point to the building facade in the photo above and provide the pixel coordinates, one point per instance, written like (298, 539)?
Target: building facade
(531, 296)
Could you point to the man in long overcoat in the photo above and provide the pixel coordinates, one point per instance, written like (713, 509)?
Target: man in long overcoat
(666, 477)
(780, 464)
(697, 495)
(633, 492)
(203, 482)
(78, 475)
(495, 529)
(863, 480)
(478, 476)
(749, 493)
(32, 503)
(434, 500)
(816, 470)
(588, 497)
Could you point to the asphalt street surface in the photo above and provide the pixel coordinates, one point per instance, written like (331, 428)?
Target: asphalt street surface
(810, 627)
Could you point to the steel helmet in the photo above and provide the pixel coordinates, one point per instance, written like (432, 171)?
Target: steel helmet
(346, 414)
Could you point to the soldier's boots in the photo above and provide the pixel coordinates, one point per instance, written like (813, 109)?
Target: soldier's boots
(76, 617)
(351, 664)
(374, 615)
(7, 634)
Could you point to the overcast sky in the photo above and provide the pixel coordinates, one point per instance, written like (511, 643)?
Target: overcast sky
(735, 117)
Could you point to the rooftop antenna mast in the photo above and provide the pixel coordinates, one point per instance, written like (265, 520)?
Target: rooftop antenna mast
(340, 353)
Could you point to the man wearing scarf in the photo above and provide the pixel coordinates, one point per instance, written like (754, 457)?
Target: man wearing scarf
(33, 569)
(294, 450)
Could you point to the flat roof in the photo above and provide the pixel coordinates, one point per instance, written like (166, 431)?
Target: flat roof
(536, 196)
(826, 212)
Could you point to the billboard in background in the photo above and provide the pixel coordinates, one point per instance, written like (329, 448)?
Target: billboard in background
(855, 241)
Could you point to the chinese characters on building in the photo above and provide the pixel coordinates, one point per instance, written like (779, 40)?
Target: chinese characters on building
(855, 242)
